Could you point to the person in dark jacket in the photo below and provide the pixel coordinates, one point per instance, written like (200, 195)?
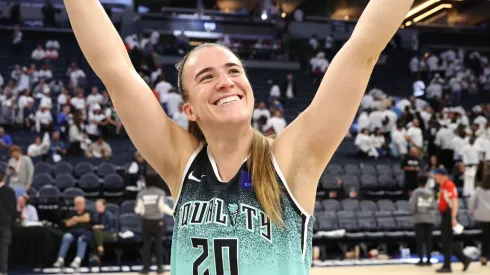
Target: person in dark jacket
(8, 210)
(103, 228)
(423, 208)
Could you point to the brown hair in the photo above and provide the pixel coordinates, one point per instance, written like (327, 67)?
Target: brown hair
(260, 166)
(101, 201)
(14, 148)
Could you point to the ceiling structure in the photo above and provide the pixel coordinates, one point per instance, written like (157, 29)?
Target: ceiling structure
(424, 12)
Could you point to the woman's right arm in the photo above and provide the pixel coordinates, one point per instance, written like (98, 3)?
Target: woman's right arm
(164, 144)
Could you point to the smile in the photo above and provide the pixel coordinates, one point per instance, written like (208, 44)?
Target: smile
(227, 100)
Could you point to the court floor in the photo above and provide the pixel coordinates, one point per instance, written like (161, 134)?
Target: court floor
(475, 269)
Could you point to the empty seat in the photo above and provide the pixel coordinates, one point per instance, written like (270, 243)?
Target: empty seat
(349, 224)
(367, 224)
(40, 180)
(48, 195)
(365, 214)
(318, 206)
(386, 182)
(97, 161)
(83, 168)
(113, 208)
(331, 205)
(368, 206)
(403, 205)
(388, 226)
(352, 169)
(105, 168)
(329, 182)
(42, 168)
(131, 222)
(350, 205)
(367, 169)
(334, 169)
(406, 225)
(345, 214)
(63, 168)
(89, 183)
(386, 205)
(384, 169)
(382, 214)
(72, 192)
(369, 182)
(127, 207)
(64, 181)
(113, 185)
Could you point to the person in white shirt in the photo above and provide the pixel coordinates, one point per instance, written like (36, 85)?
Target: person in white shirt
(444, 143)
(52, 44)
(470, 154)
(313, 42)
(365, 145)
(75, 75)
(46, 100)
(44, 120)
(399, 144)
(376, 118)
(45, 73)
(389, 122)
(155, 38)
(38, 53)
(276, 122)
(40, 147)
(378, 141)
(78, 102)
(41, 89)
(96, 120)
(162, 88)
(363, 121)
(275, 90)
(94, 98)
(63, 99)
(433, 63)
(459, 140)
(418, 88)
(180, 118)
(51, 54)
(260, 115)
(172, 101)
(24, 99)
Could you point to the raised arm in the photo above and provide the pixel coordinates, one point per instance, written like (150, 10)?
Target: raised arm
(164, 144)
(318, 131)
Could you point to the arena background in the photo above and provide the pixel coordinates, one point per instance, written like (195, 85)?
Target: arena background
(274, 39)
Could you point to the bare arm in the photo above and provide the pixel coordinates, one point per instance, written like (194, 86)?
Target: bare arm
(165, 145)
(318, 131)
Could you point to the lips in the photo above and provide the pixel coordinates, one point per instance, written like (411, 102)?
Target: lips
(227, 99)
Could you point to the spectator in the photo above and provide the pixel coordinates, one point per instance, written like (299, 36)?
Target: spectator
(182, 42)
(79, 228)
(29, 115)
(97, 122)
(378, 141)
(418, 88)
(24, 99)
(137, 171)
(63, 121)
(443, 141)
(7, 218)
(20, 171)
(17, 38)
(103, 227)
(38, 53)
(49, 14)
(39, 148)
(275, 90)
(399, 143)
(51, 53)
(76, 75)
(313, 42)
(458, 142)
(46, 100)
(479, 208)
(365, 145)
(289, 87)
(28, 213)
(5, 139)
(276, 122)
(162, 88)
(415, 136)
(75, 135)
(99, 149)
(411, 166)
(470, 154)
(44, 120)
(95, 98)
(423, 208)
(64, 99)
(41, 89)
(58, 148)
(260, 115)
(45, 73)
(113, 121)
(180, 118)
(79, 102)
(173, 101)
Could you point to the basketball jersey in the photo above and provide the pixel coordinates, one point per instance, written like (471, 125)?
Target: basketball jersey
(221, 229)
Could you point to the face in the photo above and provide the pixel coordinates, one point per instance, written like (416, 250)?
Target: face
(100, 207)
(139, 158)
(56, 136)
(37, 140)
(21, 201)
(79, 204)
(210, 75)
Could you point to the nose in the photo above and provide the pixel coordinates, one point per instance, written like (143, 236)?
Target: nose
(225, 83)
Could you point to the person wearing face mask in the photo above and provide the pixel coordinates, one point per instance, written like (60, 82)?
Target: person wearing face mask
(235, 190)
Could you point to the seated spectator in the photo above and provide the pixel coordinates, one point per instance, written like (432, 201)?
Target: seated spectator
(56, 86)
(51, 54)
(378, 141)
(172, 102)
(28, 213)
(137, 171)
(29, 115)
(38, 53)
(319, 65)
(64, 98)
(41, 89)
(45, 73)
(46, 100)
(44, 120)
(79, 227)
(20, 171)
(289, 87)
(39, 148)
(5, 139)
(365, 145)
(94, 98)
(75, 135)
(114, 124)
(76, 75)
(277, 122)
(52, 44)
(275, 105)
(180, 118)
(103, 228)
(97, 121)
(24, 98)
(162, 88)
(58, 148)
(260, 115)
(63, 121)
(414, 135)
(99, 149)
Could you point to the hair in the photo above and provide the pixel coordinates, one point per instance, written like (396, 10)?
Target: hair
(101, 201)
(264, 181)
(14, 148)
(422, 180)
(486, 182)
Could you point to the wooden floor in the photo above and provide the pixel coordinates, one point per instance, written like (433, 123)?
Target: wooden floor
(475, 268)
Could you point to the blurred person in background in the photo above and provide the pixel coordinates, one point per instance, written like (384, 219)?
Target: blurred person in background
(103, 228)
(411, 165)
(26, 211)
(7, 219)
(479, 208)
(20, 171)
(423, 208)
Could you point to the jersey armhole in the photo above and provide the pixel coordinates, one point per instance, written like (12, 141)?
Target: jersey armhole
(186, 169)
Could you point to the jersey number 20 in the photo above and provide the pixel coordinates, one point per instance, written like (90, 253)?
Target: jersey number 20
(219, 244)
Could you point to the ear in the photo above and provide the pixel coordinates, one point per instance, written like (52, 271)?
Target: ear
(189, 113)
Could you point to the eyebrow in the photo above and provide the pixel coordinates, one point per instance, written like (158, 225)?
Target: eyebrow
(208, 69)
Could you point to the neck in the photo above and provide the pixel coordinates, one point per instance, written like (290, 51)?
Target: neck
(230, 148)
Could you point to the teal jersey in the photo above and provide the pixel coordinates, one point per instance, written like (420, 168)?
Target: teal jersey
(221, 229)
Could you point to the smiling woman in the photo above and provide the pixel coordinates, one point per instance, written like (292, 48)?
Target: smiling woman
(234, 188)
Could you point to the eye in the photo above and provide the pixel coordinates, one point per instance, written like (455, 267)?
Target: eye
(206, 77)
(234, 71)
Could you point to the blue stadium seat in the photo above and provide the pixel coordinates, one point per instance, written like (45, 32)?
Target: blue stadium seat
(331, 205)
(352, 169)
(105, 169)
(48, 195)
(350, 205)
(369, 182)
(83, 168)
(63, 167)
(113, 208)
(64, 181)
(43, 168)
(72, 192)
(386, 205)
(127, 207)
(367, 169)
(113, 185)
(366, 205)
(131, 222)
(89, 183)
(40, 180)
(334, 169)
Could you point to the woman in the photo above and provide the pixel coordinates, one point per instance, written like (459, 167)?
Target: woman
(379, 142)
(479, 207)
(252, 195)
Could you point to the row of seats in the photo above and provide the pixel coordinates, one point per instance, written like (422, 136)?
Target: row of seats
(359, 169)
(81, 168)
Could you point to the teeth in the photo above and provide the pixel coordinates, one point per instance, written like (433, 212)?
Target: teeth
(228, 99)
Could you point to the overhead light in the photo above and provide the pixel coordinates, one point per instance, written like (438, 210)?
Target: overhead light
(346, 17)
(283, 15)
(432, 11)
(264, 16)
(408, 24)
(421, 7)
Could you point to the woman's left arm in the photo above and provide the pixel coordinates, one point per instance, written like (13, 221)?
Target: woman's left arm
(318, 131)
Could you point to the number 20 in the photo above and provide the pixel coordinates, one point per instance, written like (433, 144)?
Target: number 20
(219, 244)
